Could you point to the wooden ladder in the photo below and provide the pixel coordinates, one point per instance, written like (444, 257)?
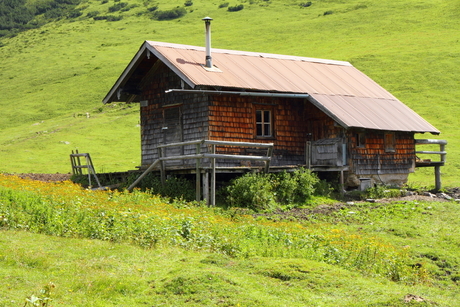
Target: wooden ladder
(77, 166)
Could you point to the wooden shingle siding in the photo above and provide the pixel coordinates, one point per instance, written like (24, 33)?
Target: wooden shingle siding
(373, 159)
(232, 118)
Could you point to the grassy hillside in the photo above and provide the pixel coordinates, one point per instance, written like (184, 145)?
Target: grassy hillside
(53, 76)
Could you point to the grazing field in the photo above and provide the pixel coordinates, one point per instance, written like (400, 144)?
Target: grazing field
(80, 247)
(54, 77)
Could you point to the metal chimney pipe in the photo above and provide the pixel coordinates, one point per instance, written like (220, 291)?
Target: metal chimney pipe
(207, 23)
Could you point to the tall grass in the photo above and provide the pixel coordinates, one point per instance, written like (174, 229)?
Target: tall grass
(66, 210)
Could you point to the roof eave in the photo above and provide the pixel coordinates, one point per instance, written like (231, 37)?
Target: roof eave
(126, 74)
(112, 94)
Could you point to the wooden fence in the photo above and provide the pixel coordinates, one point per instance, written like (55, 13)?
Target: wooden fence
(428, 162)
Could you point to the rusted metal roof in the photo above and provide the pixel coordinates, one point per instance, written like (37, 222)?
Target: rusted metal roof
(336, 87)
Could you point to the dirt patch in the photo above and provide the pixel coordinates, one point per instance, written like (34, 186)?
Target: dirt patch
(44, 177)
(309, 213)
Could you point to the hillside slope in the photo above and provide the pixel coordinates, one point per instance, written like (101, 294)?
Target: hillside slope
(54, 78)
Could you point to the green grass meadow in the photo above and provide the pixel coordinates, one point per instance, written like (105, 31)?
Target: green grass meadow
(109, 248)
(51, 77)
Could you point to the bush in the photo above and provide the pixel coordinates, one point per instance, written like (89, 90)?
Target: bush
(117, 7)
(382, 191)
(235, 8)
(253, 191)
(296, 187)
(306, 4)
(92, 14)
(127, 8)
(74, 14)
(188, 3)
(171, 14)
(222, 5)
(268, 191)
(114, 18)
(100, 17)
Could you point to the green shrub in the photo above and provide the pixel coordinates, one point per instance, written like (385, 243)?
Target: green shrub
(306, 4)
(285, 186)
(114, 18)
(171, 14)
(117, 7)
(235, 8)
(252, 191)
(92, 14)
(127, 8)
(74, 14)
(268, 191)
(222, 5)
(381, 191)
(323, 188)
(188, 3)
(100, 17)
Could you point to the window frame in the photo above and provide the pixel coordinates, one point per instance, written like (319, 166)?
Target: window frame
(262, 124)
(389, 141)
(360, 140)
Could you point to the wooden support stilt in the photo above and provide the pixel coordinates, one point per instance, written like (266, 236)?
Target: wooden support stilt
(437, 177)
(206, 187)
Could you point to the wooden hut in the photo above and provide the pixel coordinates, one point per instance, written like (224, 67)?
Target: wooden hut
(322, 114)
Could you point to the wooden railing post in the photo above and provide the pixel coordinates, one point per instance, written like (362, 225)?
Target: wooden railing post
(161, 153)
(213, 176)
(198, 173)
(308, 154)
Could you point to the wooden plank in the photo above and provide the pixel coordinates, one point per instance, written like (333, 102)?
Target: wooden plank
(148, 170)
(432, 152)
(213, 177)
(430, 141)
(198, 174)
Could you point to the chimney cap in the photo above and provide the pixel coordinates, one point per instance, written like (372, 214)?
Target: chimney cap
(207, 19)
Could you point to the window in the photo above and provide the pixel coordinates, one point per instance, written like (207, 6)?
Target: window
(390, 142)
(360, 139)
(263, 123)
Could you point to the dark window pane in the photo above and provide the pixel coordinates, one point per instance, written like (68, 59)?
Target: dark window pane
(267, 130)
(259, 129)
(266, 116)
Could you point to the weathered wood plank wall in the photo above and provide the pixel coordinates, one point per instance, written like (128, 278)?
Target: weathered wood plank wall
(186, 113)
